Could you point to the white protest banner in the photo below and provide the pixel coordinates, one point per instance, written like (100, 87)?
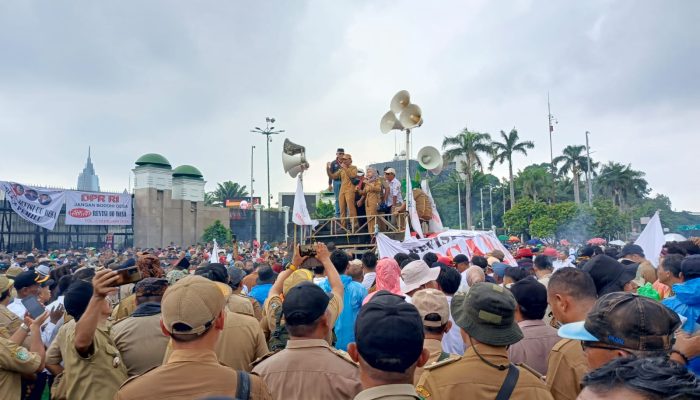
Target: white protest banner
(36, 205)
(92, 208)
(300, 214)
(435, 224)
(449, 243)
(413, 214)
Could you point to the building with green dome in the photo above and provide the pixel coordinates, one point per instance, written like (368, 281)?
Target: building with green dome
(169, 204)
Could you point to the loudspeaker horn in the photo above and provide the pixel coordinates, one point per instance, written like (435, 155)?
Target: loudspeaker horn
(400, 101)
(294, 158)
(389, 122)
(411, 116)
(429, 158)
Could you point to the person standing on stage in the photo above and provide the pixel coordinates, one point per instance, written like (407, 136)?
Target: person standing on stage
(333, 183)
(371, 192)
(346, 196)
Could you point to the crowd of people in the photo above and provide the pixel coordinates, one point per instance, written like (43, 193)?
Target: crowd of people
(361, 197)
(259, 321)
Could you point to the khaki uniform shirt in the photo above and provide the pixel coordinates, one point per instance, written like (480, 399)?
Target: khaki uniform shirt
(566, 367)
(189, 374)
(9, 320)
(435, 349)
(238, 304)
(97, 376)
(455, 378)
(269, 320)
(141, 343)
(124, 308)
(388, 392)
(15, 361)
(309, 369)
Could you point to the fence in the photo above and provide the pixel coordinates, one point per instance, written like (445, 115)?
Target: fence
(242, 224)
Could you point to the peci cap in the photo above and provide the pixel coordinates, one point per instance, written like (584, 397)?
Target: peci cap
(487, 313)
(389, 333)
(631, 248)
(191, 305)
(304, 303)
(417, 273)
(340, 150)
(432, 301)
(627, 321)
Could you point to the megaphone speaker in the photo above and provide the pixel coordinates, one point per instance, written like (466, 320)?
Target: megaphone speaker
(411, 116)
(429, 158)
(296, 162)
(400, 101)
(389, 122)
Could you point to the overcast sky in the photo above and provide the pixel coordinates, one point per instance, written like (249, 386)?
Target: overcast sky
(190, 79)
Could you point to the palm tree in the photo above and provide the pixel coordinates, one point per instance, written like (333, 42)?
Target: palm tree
(622, 183)
(226, 191)
(572, 159)
(535, 179)
(503, 151)
(470, 146)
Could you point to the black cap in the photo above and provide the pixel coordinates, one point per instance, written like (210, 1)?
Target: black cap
(608, 274)
(631, 249)
(389, 333)
(340, 150)
(235, 276)
(531, 297)
(26, 279)
(460, 258)
(304, 303)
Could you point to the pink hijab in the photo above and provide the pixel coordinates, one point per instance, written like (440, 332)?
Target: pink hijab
(388, 278)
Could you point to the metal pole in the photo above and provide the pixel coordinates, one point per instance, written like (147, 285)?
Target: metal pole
(408, 177)
(503, 189)
(459, 203)
(481, 190)
(550, 119)
(588, 171)
(267, 142)
(491, 203)
(252, 151)
(286, 223)
(258, 210)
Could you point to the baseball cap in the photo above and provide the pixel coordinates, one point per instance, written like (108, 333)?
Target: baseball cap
(417, 273)
(298, 276)
(5, 283)
(626, 320)
(499, 269)
(340, 150)
(608, 274)
(390, 171)
(26, 279)
(487, 313)
(460, 258)
(432, 301)
(389, 332)
(530, 295)
(235, 276)
(631, 248)
(191, 305)
(43, 270)
(304, 303)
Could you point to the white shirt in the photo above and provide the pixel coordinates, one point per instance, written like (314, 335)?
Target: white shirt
(562, 264)
(463, 286)
(369, 279)
(47, 329)
(394, 190)
(452, 341)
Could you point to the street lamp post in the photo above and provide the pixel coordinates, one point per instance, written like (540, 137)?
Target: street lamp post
(252, 152)
(491, 203)
(269, 130)
(286, 223)
(588, 171)
(459, 203)
(482, 207)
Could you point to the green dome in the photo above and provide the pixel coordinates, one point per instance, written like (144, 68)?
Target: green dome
(187, 170)
(153, 159)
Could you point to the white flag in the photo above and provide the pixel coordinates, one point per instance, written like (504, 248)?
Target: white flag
(652, 239)
(413, 213)
(300, 215)
(214, 257)
(435, 224)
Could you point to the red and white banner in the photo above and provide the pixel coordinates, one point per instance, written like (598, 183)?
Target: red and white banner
(449, 243)
(92, 208)
(37, 205)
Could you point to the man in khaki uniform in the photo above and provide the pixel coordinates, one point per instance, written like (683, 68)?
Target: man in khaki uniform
(8, 320)
(92, 365)
(16, 361)
(346, 197)
(486, 316)
(308, 367)
(571, 293)
(389, 348)
(435, 313)
(139, 338)
(239, 302)
(291, 277)
(193, 315)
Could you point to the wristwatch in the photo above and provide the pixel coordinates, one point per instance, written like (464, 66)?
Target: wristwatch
(24, 327)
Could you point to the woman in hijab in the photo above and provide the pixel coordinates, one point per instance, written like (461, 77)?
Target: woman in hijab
(372, 192)
(388, 278)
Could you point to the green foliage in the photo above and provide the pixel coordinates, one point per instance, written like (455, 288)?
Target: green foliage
(519, 218)
(225, 191)
(217, 231)
(324, 210)
(543, 227)
(608, 220)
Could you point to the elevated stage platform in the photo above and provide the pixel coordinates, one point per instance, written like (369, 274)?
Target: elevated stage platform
(356, 237)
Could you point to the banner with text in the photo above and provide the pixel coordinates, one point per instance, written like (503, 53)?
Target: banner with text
(450, 243)
(36, 205)
(90, 208)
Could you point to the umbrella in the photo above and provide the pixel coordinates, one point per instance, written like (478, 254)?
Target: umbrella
(503, 238)
(617, 242)
(597, 241)
(513, 239)
(674, 237)
(534, 242)
(564, 242)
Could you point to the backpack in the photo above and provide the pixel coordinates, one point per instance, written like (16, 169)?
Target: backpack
(279, 336)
